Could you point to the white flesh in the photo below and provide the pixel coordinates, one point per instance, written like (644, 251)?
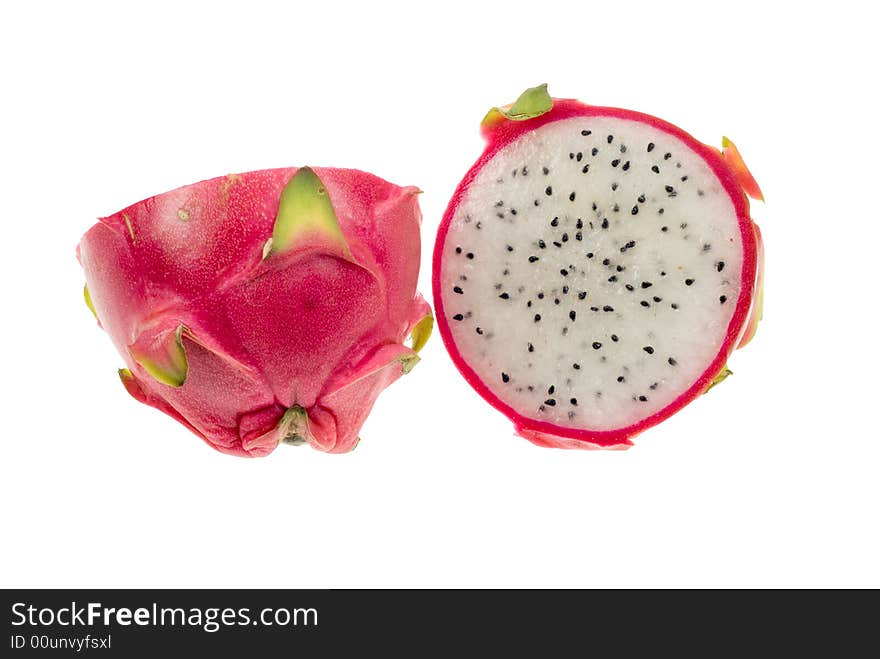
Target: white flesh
(498, 211)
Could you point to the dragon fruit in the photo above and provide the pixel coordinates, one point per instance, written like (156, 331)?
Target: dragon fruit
(265, 307)
(595, 269)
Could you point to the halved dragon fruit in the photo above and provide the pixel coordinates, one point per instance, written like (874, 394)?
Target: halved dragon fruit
(263, 307)
(595, 269)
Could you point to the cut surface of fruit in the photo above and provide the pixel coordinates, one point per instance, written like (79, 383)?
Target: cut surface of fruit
(593, 272)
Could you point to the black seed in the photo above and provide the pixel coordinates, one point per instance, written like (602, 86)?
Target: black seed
(606, 261)
(610, 139)
(664, 229)
(565, 290)
(645, 303)
(589, 255)
(545, 170)
(667, 156)
(458, 250)
(605, 223)
(585, 168)
(612, 278)
(565, 237)
(670, 189)
(551, 390)
(551, 402)
(531, 348)
(537, 317)
(556, 301)
(620, 268)
(525, 171)
(608, 308)
(458, 316)
(504, 296)
(629, 287)
(573, 401)
(625, 166)
(646, 284)
(554, 222)
(594, 151)
(594, 308)
(532, 259)
(615, 162)
(596, 345)
(688, 282)
(576, 366)
(557, 243)
(594, 208)
(479, 330)
(655, 169)
(513, 211)
(615, 208)
(578, 236)
(509, 248)
(614, 187)
(571, 156)
(579, 157)
(635, 210)
(650, 147)
(540, 296)
(470, 255)
(684, 178)
(722, 299)
(620, 378)
(658, 299)
(706, 247)
(505, 272)
(479, 225)
(615, 338)
(674, 305)
(641, 199)
(683, 225)
(586, 132)
(537, 203)
(563, 272)
(529, 304)
(582, 295)
(662, 273)
(457, 289)
(654, 386)
(505, 377)
(719, 266)
(649, 350)
(623, 148)
(542, 244)
(572, 314)
(672, 361)
(644, 399)
(548, 191)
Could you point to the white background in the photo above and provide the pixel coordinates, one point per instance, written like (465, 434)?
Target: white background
(772, 480)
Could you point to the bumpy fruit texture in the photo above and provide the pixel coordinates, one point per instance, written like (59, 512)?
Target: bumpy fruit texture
(595, 269)
(265, 307)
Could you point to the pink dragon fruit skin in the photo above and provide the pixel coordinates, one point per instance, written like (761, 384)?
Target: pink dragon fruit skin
(263, 307)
